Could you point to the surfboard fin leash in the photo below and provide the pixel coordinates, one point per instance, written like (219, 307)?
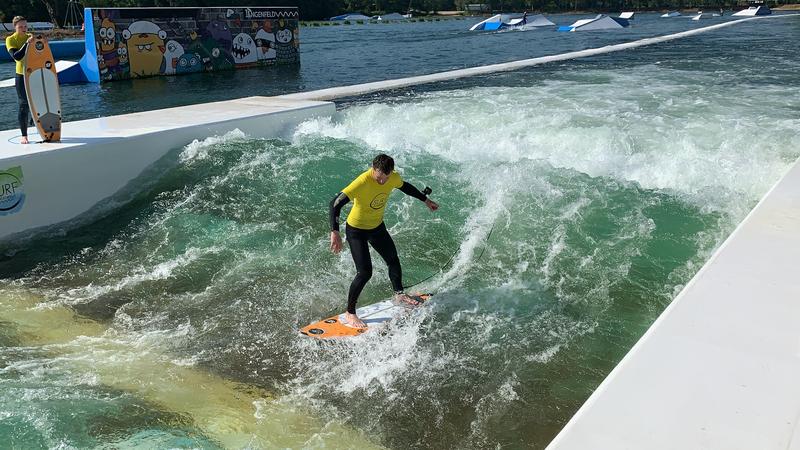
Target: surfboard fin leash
(427, 191)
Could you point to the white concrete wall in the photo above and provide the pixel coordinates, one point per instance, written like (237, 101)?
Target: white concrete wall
(720, 368)
(98, 157)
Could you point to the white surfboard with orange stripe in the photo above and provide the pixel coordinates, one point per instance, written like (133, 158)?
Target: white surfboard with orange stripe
(376, 316)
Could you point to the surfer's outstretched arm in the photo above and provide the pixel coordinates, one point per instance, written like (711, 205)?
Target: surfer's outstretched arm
(411, 190)
(337, 203)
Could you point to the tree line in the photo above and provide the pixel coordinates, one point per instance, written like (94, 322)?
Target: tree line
(56, 10)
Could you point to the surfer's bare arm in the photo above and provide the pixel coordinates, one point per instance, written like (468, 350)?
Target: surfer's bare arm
(409, 189)
(336, 206)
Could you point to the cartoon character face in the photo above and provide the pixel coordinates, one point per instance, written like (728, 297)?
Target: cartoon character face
(122, 53)
(145, 42)
(219, 31)
(188, 63)
(216, 57)
(244, 49)
(171, 56)
(108, 36)
(284, 36)
(265, 43)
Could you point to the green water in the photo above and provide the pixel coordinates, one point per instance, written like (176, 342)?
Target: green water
(576, 201)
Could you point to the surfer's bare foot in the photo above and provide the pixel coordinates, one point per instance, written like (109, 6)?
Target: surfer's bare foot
(23, 140)
(406, 299)
(353, 321)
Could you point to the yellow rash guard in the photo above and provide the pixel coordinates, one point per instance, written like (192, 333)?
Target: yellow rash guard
(17, 41)
(369, 199)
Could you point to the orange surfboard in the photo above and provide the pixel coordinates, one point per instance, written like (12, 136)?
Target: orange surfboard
(41, 87)
(376, 316)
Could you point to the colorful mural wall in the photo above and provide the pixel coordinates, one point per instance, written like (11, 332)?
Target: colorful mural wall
(145, 42)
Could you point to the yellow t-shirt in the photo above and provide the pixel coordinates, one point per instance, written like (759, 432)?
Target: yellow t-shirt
(16, 41)
(369, 199)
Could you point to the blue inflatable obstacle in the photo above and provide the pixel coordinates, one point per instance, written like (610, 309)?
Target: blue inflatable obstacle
(512, 21)
(70, 72)
(69, 48)
(601, 22)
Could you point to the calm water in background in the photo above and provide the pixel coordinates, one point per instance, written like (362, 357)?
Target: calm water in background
(578, 198)
(342, 55)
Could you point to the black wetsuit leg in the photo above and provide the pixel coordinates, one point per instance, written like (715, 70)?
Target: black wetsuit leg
(382, 242)
(358, 241)
(24, 110)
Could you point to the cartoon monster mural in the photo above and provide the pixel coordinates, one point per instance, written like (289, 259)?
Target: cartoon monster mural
(285, 49)
(218, 31)
(265, 42)
(124, 69)
(171, 56)
(101, 67)
(145, 42)
(244, 49)
(132, 44)
(188, 63)
(212, 56)
(107, 44)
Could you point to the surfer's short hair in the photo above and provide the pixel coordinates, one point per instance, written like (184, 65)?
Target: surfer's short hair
(18, 19)
(384, 163)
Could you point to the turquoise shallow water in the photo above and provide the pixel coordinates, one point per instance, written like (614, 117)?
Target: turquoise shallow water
(605, 183)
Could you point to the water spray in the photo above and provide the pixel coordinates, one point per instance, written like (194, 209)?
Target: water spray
(427, 191)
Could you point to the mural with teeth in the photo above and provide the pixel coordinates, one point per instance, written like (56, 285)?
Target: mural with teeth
(244, 49)
(146, 42)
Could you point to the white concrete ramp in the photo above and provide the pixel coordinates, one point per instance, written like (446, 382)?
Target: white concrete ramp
(46, 184)
(720, 368)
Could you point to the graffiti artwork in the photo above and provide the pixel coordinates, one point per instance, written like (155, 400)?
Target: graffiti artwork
(146, 42)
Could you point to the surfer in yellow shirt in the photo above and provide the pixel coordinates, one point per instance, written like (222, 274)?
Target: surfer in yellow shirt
(17, 46)
(369, 193)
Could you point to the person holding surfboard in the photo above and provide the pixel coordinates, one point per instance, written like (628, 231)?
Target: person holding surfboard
(370, 193)
(17, 45)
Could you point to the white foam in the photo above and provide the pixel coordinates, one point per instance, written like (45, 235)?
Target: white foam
(199, 149)
(135, 276)
(706, 154)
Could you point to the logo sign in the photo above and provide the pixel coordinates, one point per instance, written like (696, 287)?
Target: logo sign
(379, 201)
(289, 13)
(12, 194)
